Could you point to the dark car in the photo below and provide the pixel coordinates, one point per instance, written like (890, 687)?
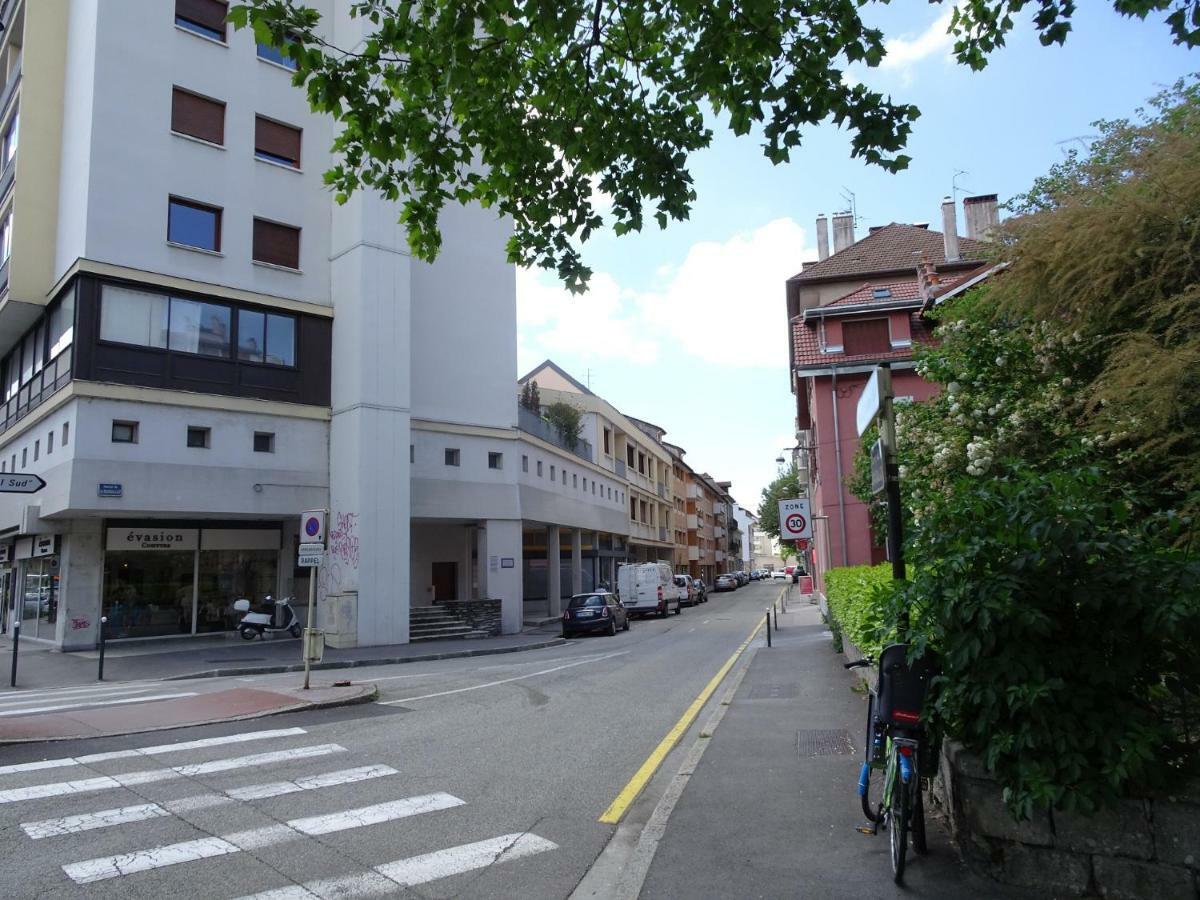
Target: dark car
(701, 590)
(598, 611)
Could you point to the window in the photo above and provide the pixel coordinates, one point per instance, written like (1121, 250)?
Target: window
(194, 225)
(133, 317)
(276, 245)
(264, 442)
(412, 453)
(124, 432)
(49, 443)
(266, 337)
(564, 474)
(593, 489)
(198, 437)
(866, 336)
(202, 17)
(539, 468)
(643, 508)
(276, 142)
(451, 457)
(632, 509)
(66, 433)
(276, 55)
(629, 454)
(11, 137)
(198, 327)
(585, 484)
(642, 463)
(14, 463)
(3, 465)
(24, 457)
(552, 473)
(524, 463)
(6, 232)
(62, 326)
(197, 116)
(37, 450)
(881, 293)
(607, 437)
(575, 481)
(495, 460)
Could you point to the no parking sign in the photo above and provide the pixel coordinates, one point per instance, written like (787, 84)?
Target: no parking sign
(794, 520)
(312, 527)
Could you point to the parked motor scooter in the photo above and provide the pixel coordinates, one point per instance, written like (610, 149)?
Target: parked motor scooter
(271, 616)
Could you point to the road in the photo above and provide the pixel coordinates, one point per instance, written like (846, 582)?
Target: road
(470, 778)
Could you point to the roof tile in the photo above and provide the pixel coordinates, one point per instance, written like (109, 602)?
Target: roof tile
(892, 248)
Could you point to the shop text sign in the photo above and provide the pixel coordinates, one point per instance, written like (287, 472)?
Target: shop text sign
(794, 520)
(153, 539)
(43, 545)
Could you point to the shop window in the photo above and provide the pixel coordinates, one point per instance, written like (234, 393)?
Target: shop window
(452, 456)
(124, 432)
(198, 437)
(495, 460)
(264, 442)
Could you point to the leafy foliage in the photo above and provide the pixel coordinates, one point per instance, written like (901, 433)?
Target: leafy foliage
(567, 419)
(858, 598)
(786, 486)
(531, 398)
(535, 108)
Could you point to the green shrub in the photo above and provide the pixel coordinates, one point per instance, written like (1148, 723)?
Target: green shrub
(859, 598)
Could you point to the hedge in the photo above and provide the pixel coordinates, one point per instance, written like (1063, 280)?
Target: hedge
(857, 597)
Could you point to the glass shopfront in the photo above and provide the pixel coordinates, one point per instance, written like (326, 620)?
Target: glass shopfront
(160, 580)
(36, 589)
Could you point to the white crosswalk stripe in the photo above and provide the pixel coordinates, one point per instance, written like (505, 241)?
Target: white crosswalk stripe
(157, 750)
(141, 812)
(120, 701)
(384, 880)
(106, 867)
(130, 779)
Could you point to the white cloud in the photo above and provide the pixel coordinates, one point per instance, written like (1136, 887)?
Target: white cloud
(723, 304)
(905, 52)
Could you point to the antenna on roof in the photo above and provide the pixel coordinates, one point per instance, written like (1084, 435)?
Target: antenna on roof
(848, 196)
(955, 190)
(1081, 139)
(589, 379)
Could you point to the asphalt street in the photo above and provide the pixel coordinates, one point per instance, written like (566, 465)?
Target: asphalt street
(478, 777)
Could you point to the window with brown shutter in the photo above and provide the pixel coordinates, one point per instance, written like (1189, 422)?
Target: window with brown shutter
(204, 17)
(866, 336)
(276, 244)
(276, 142)
(197, 116)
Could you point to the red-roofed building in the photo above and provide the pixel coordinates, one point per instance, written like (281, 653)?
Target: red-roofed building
(848, 312)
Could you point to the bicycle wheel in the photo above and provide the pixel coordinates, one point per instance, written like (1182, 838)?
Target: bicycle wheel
(864, 794)
(901, 810)
(918, 819)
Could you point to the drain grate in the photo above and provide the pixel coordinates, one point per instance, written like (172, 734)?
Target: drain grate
(823, 742)
(774, 691)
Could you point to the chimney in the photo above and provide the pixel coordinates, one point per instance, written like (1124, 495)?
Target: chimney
(822, 238)
(982, 214)
(927, 277)
(843, 231)
(949, 230)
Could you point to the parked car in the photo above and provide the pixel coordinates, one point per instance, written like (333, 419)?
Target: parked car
(687, 593)
(647, 589)
(599, 611)
(779, 575)
(743, 578)
(725, 583)
(701, 589)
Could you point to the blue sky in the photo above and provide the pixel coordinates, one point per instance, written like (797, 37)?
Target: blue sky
(686, 327)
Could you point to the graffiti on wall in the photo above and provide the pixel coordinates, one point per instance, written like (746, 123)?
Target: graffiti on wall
(342, 556)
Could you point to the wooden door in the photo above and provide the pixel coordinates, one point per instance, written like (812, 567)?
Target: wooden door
(445, 581)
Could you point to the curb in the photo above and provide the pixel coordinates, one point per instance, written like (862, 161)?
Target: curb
(367, 696)
(360, 663)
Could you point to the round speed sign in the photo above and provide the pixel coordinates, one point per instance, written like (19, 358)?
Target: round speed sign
(796, 523)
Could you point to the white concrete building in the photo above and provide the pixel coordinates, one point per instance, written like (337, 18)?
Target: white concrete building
(197, 344)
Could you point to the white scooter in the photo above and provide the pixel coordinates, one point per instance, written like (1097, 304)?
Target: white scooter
(267, 618)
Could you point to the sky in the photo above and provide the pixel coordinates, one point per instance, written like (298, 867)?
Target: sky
(687, 327)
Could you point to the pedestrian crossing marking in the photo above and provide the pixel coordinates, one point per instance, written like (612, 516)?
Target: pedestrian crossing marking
(158, 750)
(106, 867)
(125, 815)
(92, 704)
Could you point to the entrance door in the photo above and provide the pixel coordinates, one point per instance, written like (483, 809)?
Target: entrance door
(445, 581)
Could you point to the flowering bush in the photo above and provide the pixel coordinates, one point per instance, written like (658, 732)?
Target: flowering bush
(856, 597)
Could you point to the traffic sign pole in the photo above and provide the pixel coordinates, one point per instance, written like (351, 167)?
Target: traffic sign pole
(312, 600)
(895, 536)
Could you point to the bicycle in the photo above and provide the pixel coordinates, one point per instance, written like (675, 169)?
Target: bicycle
(899, 746)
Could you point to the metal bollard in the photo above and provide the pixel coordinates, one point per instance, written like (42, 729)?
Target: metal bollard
(100, 674)
(768, 628)
(16, 645)
(776, 608)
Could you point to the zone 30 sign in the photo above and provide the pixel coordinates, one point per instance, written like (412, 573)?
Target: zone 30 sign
(794, 520)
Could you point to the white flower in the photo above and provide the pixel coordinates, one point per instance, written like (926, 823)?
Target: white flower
(1000, 361)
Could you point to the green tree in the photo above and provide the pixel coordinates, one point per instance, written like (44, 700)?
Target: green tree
(568, 420)
(531, 107)
(786, 486)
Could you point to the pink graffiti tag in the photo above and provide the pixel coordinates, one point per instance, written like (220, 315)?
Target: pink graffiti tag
(79, 622)
(343, 539)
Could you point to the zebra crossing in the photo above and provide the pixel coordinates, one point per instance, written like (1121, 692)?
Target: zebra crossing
(54, 700)
(126, 830)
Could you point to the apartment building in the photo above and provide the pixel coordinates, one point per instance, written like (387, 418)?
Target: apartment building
(680, 521)
(198, 344)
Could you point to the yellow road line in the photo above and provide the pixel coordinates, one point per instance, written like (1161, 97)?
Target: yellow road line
(630, 792)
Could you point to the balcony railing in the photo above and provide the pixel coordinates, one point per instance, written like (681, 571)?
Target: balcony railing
(531, 423)
(53, 378)
(620, 469)
(662, 490)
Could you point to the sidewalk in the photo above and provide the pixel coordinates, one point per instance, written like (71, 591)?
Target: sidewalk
(39, 667)
(772, 807)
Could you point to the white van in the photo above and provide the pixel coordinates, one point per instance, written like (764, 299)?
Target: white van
(647, 588)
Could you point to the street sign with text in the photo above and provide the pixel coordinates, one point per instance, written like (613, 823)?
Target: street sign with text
(17, 483)
(311, 560)
(794, 520)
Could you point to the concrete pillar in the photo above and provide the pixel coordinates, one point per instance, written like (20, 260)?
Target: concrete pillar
(576, 561)
(81, 578)
(553, 571)
(501, 540)
(465, 588)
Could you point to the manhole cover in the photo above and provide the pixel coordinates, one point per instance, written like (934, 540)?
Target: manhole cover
(774, 691)
(823, 742)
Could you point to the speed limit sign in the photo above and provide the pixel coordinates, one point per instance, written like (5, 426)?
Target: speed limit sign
(794, 520)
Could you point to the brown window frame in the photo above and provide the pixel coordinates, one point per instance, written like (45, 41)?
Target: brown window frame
(273, 142)
(859, 340)
(266, 231)
(179, 124)
(205, 207)
(201, 15)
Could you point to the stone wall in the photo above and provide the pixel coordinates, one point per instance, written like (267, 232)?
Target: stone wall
(1141, 849)
(482, 615)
